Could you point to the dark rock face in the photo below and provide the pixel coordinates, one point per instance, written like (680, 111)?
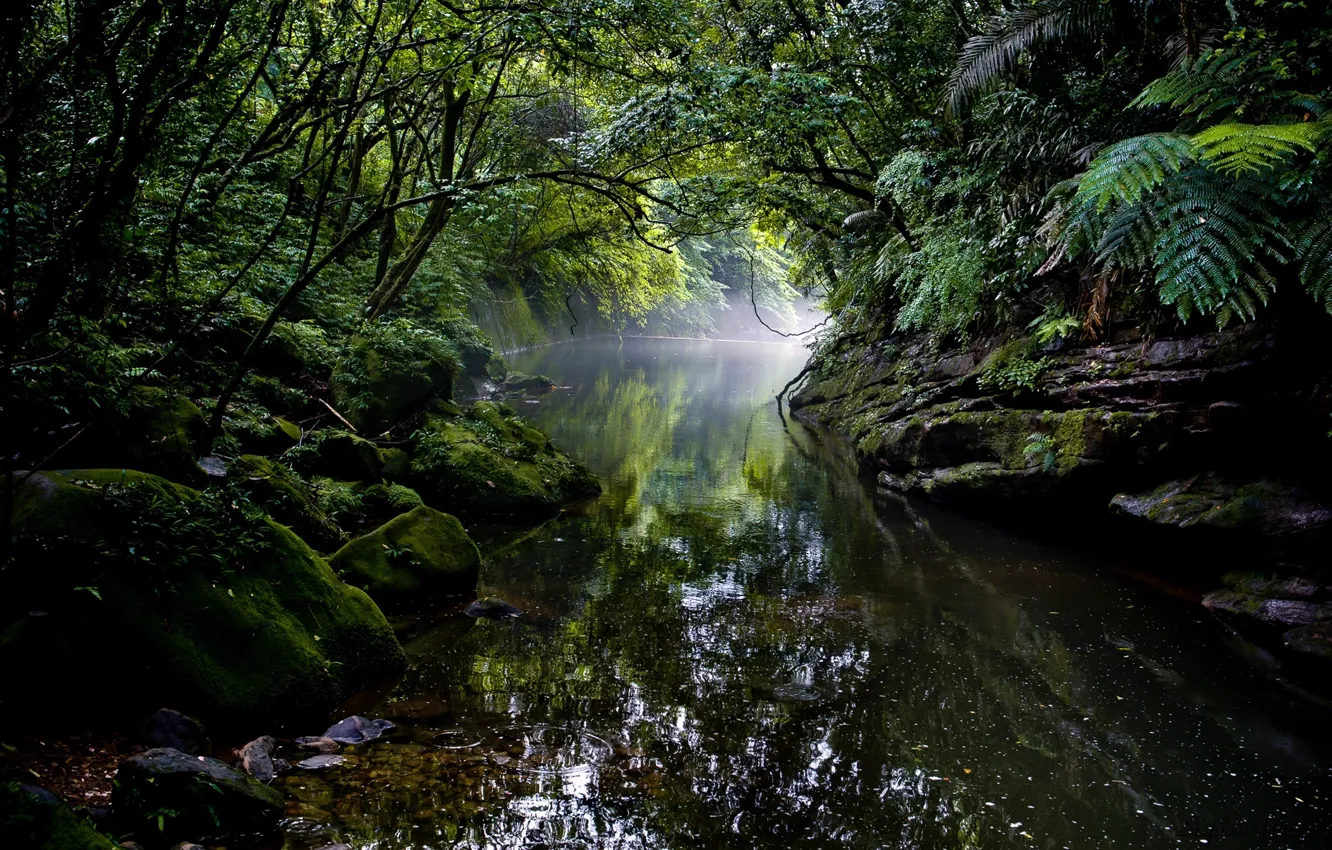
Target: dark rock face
(168, 728)
(195, 797)
(1294, 615)
(33, 818)
(1177, 431)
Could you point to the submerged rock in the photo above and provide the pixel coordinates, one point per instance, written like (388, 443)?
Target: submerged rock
(33, 818)
(419, 553)
(168, 728)
(196, 603)
(166, 794)
(319, 744)
(321, 762)
(357, 730)
(256, 758)
(492, 608)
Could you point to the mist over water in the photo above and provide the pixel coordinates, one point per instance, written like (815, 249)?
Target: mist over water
(740, 645)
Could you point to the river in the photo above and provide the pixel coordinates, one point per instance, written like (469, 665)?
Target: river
(740, 645)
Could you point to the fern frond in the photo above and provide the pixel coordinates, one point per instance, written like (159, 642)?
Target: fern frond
(1313, 251)
(988, 55)
(1128, 240)
(1127, 170)
(1205, 88)
(1237, 149)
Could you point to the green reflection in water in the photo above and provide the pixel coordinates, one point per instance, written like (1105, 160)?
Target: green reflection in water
(736, 647)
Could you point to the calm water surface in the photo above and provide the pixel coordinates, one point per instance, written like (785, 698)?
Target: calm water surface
(739, 646)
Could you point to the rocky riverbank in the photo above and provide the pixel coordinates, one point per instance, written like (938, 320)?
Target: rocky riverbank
(1207, 444)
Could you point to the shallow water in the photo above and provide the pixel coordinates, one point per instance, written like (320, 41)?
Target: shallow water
(739, 645)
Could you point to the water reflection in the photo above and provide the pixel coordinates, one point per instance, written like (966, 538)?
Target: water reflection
(735, 646)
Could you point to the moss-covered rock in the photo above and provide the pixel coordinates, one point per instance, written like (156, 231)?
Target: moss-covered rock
(152, 429)
(521, 383)
(165, 795)
(348, 457)
(196, 600)
(286, 498)
(389, 500)
(1212, 503)
(387, 375)
(422, 552)
(490, 461)
(35, 819)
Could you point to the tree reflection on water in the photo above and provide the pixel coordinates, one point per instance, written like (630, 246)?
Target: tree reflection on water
(736, 646)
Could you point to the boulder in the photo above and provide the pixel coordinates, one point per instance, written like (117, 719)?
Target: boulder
(357, 730)
(348, 457)
(33, 818)
(422, 552)
(256, 758)
(189, 599)
(492, 608)
(164, 794)
(523, 384)
(168, 728)
(287, 499)
(379, 386)
(488, 461)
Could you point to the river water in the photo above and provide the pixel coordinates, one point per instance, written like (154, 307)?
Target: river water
(739, 645)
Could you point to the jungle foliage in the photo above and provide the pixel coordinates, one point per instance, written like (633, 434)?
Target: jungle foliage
(191, 185)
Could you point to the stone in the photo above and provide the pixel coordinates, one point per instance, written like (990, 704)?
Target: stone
(169, 728)
(287, 499)
(489, 461)
(421, 552)
(492, 608)
(319, 744)
(377, 389)
(166, 794)
(321, 762)
(357, 730)
(33, 818)
(187, 845)
(1212, 502)
(256, 758)
(519, 382)
(348, 457)
(271, 637)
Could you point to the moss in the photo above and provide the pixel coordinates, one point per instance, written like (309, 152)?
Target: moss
(1070, 439)
(397, 464)
(422, 551)
(32, 820)
(490, 461)
(346, 457)
(391, 371)
(234, 636)
(389, 499)
(288, 499)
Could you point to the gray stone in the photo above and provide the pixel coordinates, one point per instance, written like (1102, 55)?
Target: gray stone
(357, 730)
(205, 798)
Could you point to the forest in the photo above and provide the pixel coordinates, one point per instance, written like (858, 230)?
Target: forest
(328, 324)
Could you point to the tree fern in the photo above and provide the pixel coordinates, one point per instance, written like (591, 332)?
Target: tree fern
(1237, 149)
(988, 55)
(1206, 88)
(1127, 170)
(1313, 251)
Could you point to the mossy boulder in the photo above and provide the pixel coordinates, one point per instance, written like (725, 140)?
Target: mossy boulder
(257, 432)
(152, 429)
(348, 457)
(1213, 504)
(422, 552)
(383, 380)
(522, 383)
(33, 818)
(165, 795)
(130, 584)
(490, 461)
(287, 499)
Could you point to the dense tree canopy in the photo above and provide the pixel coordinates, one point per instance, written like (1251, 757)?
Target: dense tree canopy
(947, 166)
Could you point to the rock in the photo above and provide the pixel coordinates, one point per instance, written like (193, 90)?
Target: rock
(256, 758)
(265, 633)
(32, 818)
(489, 461)
(287, 499)
(1280, 612)
(167, 794)
(319, 745)
(1261, 508)
(492, 608)
(420, 552)
(377, 388)
(168, 728)
(348, 457)
(388, 500)
(335, 847)
(131, 845)
(357, 730)
(187, 845)
(321, 762)
(1313, 640)
(518, 382)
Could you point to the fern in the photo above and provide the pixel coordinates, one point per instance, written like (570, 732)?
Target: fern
(994, 52)
(1313, 250)
(1237, 149)
(1127, 170)
(1207, 88)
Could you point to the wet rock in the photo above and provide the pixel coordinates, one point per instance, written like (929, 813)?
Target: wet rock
(1314, 640)
(187, 845)
(492, 608)
(256, 758)
(321, 762)
(521, 383)
(283, 638)
(318, 744)
(167, 794)
(1267, 508)
(1279, 612)
(335, 847)
(32, 818)
(357, 730)
(131, 845)
(169, 728)
(422, 552)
